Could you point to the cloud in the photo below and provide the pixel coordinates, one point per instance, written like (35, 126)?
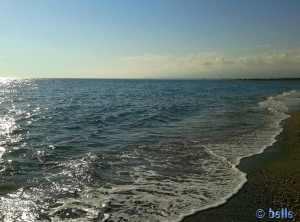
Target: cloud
(263, 46)
(216, 65)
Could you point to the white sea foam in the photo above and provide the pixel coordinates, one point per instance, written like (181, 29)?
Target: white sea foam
(156, 192)
(2, 151)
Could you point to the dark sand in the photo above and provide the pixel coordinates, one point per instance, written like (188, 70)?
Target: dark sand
(273, 182)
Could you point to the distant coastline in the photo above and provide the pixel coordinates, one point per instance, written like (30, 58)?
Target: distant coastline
(272, 79)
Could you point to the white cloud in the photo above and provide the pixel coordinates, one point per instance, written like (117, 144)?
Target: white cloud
(216, 65)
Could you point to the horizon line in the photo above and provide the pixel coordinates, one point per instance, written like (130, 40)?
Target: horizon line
(184, 79)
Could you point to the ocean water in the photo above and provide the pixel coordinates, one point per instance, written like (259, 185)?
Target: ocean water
(130, 150)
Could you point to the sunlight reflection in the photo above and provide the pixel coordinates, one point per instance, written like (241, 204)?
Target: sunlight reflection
(7, 125)
(5, 81)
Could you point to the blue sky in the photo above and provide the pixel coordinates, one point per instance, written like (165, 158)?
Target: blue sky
(150, 39)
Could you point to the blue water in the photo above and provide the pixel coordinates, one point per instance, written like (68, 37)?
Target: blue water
(130, 150)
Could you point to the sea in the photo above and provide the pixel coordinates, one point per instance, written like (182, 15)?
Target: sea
(131, 150)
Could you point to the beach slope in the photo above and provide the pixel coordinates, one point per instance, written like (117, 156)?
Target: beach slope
(273, 182)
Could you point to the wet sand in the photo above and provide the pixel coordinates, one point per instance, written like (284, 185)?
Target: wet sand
(273, 182)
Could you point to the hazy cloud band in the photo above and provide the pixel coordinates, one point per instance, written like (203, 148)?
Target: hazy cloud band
(217, 65)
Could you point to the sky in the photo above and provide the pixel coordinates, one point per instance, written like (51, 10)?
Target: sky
(165, 39)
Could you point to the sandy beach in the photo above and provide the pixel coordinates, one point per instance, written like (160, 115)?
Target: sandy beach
(273, 182)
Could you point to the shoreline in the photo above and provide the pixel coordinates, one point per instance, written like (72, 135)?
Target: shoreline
(273, 181)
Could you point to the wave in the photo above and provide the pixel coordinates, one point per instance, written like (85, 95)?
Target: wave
(151, 182)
